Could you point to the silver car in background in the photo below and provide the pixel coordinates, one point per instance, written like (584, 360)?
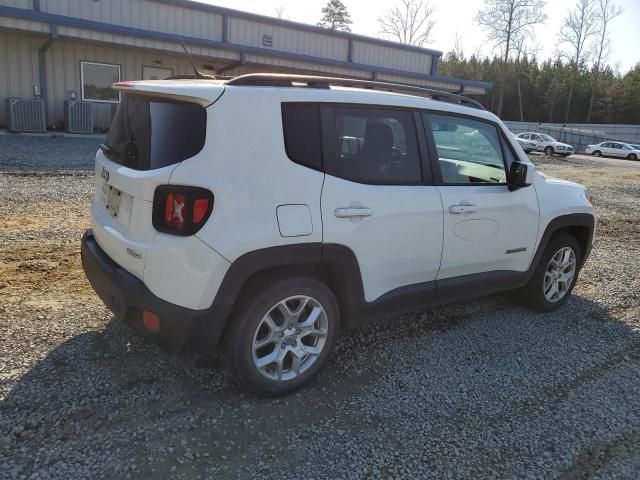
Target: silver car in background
(614, 149)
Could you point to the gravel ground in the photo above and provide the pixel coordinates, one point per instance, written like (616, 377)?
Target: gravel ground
(484, 389)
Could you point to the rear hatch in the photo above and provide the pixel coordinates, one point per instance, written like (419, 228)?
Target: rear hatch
(157, 126)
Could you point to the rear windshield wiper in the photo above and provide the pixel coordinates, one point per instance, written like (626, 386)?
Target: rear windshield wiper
(109, 150)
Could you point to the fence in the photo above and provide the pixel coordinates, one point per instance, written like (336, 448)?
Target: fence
(580, 135)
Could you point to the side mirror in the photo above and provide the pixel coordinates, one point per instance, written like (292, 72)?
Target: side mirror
(521, 175)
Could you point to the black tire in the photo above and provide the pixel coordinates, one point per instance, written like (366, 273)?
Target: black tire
(632, 156)
(549, 151)
(597, 153)
(255, 304)
(532, 294)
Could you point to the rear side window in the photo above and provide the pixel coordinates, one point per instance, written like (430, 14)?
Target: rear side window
(149, 133)
(302, 137)
(371, 145)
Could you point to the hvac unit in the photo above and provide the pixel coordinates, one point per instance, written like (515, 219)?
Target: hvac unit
(26, 115)
(77, 117)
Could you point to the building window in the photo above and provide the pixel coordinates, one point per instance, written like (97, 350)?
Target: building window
(96, 80)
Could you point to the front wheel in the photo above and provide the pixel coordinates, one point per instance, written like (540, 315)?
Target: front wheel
(555, 276)
(282, 337)
(632, 156)
(548, 151)
(597, 153)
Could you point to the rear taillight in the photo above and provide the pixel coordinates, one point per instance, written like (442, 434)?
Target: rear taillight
(181, 210)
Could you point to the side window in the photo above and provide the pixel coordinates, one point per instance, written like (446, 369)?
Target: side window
(302, 137)
(371, 145)
(536, 138)
(526, 136)
(606, 145)
(469, 151)
(616, 145)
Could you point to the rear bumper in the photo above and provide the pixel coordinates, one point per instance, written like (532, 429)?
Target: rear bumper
(127, 297)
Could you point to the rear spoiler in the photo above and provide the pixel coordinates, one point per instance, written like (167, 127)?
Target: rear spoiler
(204, 92)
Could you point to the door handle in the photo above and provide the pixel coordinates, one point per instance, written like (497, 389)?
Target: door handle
(456, 209)
(350, 212)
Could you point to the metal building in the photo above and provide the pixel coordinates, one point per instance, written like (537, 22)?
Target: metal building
(63, 50)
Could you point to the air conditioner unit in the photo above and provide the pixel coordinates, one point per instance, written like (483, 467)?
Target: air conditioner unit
(78, 117)
(26, 115)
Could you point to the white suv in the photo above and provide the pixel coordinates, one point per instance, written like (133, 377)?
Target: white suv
(267, 212)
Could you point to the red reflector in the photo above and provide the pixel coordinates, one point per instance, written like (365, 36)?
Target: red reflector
(150, 320)
(124, 84)
(174, 210)
(200, 209)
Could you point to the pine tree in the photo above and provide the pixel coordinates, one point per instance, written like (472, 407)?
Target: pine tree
(335, 16)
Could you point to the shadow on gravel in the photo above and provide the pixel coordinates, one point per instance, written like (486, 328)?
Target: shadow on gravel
(47, 153)
(110, 403)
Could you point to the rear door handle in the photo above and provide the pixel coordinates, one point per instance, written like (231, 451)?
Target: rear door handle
(456, 209)
(350, 212)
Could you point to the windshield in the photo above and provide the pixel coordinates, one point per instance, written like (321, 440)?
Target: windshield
(149, 132)
(635, 146)
(547, 138)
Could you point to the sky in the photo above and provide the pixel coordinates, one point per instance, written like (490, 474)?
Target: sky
(457, 16)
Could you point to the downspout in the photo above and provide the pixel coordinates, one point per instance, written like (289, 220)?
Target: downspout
(42, 67)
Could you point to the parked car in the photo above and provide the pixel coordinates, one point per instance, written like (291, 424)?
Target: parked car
(527, 145)
(265, 213)
(547, 144)
(614, 149)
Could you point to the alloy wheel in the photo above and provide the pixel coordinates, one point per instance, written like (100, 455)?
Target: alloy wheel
(559, 275)
(290, 338)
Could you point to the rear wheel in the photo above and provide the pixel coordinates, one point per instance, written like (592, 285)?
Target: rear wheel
(632, 156)
(548, 151)
(597, 153)
(282, 337)
(555, 276)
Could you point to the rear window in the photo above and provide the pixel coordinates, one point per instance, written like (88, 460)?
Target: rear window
(149, 132)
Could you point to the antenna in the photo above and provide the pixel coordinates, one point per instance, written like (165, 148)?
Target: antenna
(197, 73)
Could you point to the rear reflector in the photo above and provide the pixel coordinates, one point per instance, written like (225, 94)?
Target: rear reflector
(200, 209)
(150, 320)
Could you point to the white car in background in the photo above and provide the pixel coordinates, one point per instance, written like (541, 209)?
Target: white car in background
(547, 144)
(614, 149)
(527, 145)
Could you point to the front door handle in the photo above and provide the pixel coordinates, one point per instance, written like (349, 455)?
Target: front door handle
(351, 212)
(456, 209)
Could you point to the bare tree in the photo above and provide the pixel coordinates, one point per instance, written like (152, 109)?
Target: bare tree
(578, 27)
(607, 10)
(458, 47)
(409, 21)
(508, 22)
(280, 11)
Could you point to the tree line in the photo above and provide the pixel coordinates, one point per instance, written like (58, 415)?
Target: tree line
(576, 86)
(535, 91)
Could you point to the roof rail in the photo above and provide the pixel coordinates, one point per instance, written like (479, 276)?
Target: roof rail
(286, 80)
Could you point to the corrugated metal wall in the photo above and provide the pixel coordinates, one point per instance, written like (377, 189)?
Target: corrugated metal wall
(388, 57)
(250, 33)
(143, 14)
(18, 67)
